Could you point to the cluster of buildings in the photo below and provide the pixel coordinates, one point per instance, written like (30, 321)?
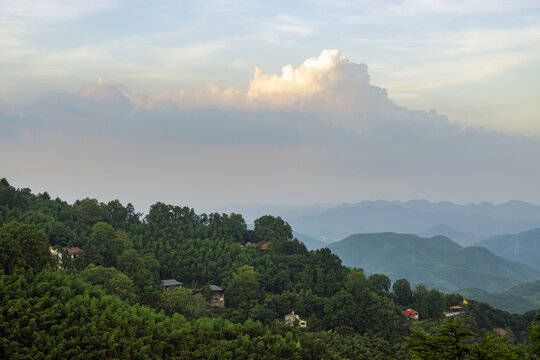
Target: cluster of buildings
(217, 296)
(451, 312)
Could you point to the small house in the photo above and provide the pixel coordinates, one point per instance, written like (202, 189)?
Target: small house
(218, 296)
(169, 284)
(263, 245)
(58, 253)
(292, 319)
(453, 311)
(73, 252)
(411, 314)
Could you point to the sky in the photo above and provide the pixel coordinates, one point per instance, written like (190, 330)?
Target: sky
(285, 103)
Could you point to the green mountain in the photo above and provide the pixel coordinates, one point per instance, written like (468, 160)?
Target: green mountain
(513, 303)
(523, 247)
(436, 262)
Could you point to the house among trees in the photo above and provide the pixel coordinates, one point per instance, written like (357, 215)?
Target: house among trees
(453, 311)
(218, 296)
(263, 245)
(293, 319)
(73, 252)
(411, 314)
(169, 284)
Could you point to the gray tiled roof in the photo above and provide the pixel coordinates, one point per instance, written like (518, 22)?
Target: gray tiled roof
(171, 282)
(215, 288)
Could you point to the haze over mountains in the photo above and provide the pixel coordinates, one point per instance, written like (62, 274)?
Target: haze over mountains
(471, 257)
(465, 224)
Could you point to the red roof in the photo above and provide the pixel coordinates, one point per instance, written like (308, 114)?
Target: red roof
(74, 251)
(410, 312)
(260, 244)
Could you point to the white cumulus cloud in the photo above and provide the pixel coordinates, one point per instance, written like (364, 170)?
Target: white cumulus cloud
(329, 83)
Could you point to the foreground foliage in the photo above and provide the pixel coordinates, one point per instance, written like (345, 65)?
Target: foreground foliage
(56, 315)
(453, 340)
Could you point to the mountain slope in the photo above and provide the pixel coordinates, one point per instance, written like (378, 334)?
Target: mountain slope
(436, 262)
(311, 243)
(515, 304)
(523, 247)
(530, 290)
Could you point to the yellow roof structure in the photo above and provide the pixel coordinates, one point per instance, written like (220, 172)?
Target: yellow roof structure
(465, 302)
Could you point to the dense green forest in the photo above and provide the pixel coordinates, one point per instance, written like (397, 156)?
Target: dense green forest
(109, 302)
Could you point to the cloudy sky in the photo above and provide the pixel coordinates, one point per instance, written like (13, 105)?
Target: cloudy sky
(289, 103)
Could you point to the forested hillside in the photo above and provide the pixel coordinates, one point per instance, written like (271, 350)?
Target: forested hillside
(108, 302)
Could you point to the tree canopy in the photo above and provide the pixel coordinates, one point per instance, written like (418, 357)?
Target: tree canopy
(109, 301)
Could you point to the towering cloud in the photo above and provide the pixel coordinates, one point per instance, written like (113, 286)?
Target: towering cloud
(328, 83)
(317, 132)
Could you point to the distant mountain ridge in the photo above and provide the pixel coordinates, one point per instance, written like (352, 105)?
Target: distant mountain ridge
(252, 212)
(523, 247)
(460, 237)
(465, 224)
(311, 243)
(436, 262)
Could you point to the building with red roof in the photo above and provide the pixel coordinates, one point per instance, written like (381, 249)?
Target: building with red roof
(73, 252)
(411, 314)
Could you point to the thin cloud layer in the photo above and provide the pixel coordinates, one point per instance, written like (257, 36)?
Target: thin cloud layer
(315, 133)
